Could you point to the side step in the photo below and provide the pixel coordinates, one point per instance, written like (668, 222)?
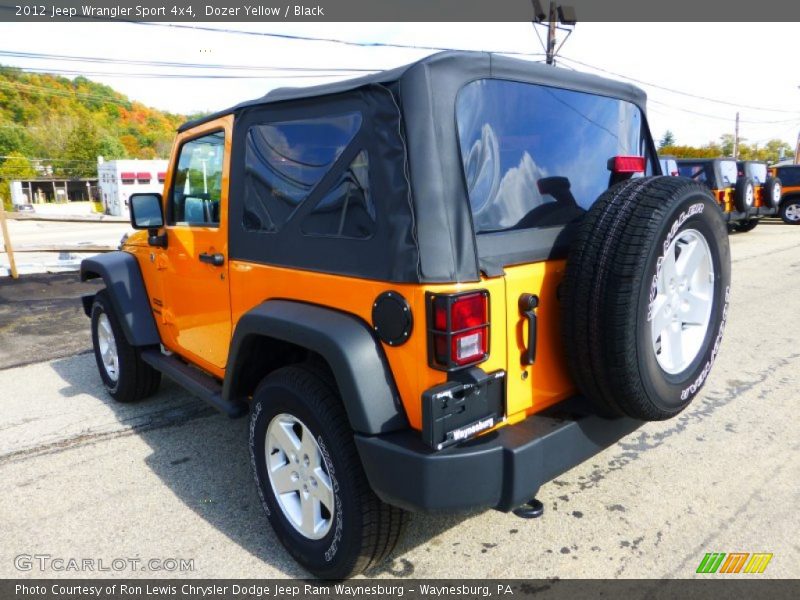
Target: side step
(196, 382)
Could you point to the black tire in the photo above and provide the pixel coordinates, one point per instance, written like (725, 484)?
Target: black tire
(364, 530)
(745, 226)
(771, 197)
(609, 286)
(135, 379)
(744, 194)
(790, 211)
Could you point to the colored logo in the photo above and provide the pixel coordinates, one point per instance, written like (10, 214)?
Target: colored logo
(734, 562)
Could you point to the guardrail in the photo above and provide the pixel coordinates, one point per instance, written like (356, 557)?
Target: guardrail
(26, 216)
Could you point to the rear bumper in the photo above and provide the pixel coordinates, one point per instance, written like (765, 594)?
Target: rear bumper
(761, 211)
(501, 470)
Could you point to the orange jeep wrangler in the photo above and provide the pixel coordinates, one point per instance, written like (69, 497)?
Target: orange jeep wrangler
(436, 287)
(789, 176)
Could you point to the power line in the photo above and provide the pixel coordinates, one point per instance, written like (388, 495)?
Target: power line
(295, 37)
(77, 72)
(69, 160)
(307, 38)
(65, 93)
(674, 91)
(718, 117)
(182, 65)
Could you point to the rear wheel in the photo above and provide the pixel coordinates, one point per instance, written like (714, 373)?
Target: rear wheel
(126, 377)
(310, 479)
(744, 195)
(745, 226)
(645, 296)
(790, 211)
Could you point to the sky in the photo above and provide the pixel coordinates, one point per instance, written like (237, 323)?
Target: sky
(744, 65)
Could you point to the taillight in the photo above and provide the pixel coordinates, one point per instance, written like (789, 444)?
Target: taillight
(458, 329)
(627, 164)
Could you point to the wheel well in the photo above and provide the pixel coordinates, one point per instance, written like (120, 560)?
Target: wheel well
(790, 197)
(262, 355)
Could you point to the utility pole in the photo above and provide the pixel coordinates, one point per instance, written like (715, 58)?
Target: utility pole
(556, 13)
(7, 241)
(736, 138)
(551, 33)
(797, 151)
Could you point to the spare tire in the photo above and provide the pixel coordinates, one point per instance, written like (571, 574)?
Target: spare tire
(744, 195)
(645, 296)
(772, 192)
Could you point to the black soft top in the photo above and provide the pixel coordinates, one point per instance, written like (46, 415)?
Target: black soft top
(426, 233)
(463, 65)
(712, 169)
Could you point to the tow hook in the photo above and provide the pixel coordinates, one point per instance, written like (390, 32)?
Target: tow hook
(532, 509)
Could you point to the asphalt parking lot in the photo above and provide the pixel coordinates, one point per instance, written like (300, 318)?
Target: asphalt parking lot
(169, 478)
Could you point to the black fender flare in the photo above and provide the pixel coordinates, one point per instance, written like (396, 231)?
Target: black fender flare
(354, 355)
(123, 278)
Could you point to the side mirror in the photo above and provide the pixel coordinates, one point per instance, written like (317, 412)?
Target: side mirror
(146, 211)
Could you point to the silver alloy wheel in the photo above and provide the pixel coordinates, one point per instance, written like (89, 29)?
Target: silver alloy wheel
(107, 345)
(681, 311)
(792, 212)
(749, 196)
(299, 476)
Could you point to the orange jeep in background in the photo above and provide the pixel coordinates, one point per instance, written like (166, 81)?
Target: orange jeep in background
(789, 176)
(435, 287)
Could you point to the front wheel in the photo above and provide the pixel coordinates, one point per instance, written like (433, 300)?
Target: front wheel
(126, 377)
(310, 479)
(790, 211)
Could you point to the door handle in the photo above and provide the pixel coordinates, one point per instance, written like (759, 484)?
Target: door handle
(527, 306)
(216, 260)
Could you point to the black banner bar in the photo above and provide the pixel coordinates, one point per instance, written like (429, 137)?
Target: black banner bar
(713, 586)
(230, 11)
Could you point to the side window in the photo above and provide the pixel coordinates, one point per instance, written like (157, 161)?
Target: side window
(197, 188)
(789, 176)
(346, 210)
(285, 161)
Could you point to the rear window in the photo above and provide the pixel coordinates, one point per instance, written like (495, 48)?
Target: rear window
(758, 171)
(668, 166)
(537, 156)
(729, 172)
(696, 171)
(789, 176)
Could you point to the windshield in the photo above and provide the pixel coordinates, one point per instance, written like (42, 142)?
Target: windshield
(538, 156)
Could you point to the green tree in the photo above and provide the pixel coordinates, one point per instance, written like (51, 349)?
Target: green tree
(16, 166)
(14, 138)
(83, 145)
(771, 152)
(668, 139)
(726, 141)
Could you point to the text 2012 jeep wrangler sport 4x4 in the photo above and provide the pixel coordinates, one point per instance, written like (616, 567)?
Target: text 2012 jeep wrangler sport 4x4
(436, 287)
